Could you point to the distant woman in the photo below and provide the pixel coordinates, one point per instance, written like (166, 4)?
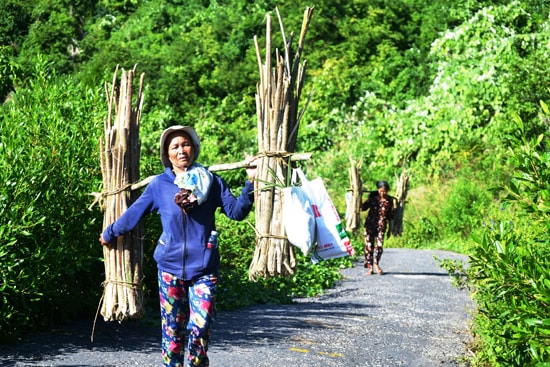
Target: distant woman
(380, 213)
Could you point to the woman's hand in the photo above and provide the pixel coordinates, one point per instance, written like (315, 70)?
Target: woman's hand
(103, 242)
(251, 167)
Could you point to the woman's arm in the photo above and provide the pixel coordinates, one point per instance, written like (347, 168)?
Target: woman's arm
(130, 218)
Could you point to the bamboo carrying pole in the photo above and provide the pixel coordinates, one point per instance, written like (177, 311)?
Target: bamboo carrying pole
(277, 97)
(353, 199)
(120, 156)
(401, 188)
(99, 197)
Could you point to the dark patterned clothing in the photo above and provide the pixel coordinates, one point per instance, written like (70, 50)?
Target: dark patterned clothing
(376, 223)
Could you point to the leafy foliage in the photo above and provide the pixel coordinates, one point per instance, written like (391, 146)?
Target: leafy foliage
(529, 185)
(508, 267)
(510, 284)
(464, 208)
(48, 267)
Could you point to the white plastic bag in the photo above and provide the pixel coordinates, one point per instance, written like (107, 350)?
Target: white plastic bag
(298, 218)
(332, 239)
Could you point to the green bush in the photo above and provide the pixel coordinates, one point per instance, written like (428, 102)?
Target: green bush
(508, 273)
(464, 207)
(512, 292)
(425, 231)
(49, 254)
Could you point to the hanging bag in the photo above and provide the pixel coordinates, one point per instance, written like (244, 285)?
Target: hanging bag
(298, 218)
(332, 239)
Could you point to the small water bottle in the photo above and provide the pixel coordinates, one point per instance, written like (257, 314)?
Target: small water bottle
(213, 240)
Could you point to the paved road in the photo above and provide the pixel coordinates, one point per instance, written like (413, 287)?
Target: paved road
(410, 316)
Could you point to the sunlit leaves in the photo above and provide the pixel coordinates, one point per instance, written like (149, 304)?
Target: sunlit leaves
(509, 279)
(48, 166)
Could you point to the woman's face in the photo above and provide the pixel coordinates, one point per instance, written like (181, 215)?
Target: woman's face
(180, 151)
(382, 192)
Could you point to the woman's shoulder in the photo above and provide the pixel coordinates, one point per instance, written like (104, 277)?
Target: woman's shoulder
(162, 178)
(373, 195)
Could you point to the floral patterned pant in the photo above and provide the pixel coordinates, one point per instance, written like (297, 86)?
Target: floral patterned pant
(373, 254)
(187, 308)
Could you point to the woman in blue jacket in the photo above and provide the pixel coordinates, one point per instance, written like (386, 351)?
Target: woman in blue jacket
(186, 195)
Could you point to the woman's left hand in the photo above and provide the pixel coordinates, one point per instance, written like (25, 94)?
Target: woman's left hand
(251, 167)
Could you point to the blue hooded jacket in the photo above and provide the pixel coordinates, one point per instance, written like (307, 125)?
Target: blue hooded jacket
(181, 249)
